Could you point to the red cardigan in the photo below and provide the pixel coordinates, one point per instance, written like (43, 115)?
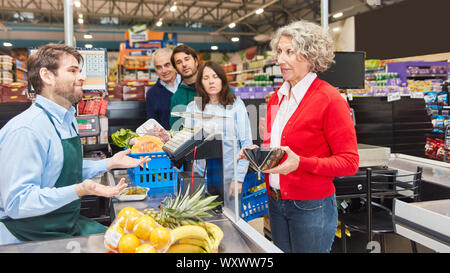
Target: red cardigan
(322, 133)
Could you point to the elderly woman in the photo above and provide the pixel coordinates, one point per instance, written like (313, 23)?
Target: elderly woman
(310, 120)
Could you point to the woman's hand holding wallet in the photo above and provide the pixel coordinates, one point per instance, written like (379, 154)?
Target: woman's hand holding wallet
(289, 165)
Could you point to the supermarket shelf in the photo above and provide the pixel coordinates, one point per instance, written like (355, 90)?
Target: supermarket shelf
(137, 68)
(21, 68)
(248, 86)
(270, 64)
(136, 80)
(427, 76)
(244, 71)
(137, 57)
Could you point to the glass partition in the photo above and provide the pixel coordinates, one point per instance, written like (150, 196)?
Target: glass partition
(221, 128)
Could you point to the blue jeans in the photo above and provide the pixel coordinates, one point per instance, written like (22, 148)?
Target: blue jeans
(303, 226)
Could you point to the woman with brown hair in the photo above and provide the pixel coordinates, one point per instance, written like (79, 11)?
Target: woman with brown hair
(216, 98)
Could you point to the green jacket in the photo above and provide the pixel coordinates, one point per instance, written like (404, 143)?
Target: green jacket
(180, 100)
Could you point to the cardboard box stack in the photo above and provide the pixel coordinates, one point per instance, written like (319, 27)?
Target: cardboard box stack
(14, 92)
(6, 66)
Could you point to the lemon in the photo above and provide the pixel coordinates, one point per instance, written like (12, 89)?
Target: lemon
(113, 235)
(145, 248)
(128, 243)
(127, 216)
(143, 226)
(160, 237)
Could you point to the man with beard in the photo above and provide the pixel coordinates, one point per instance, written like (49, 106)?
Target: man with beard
(185, 60)
(43, 174)
(159, 95)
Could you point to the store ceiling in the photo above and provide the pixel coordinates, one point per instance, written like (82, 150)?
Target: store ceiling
(208, 18)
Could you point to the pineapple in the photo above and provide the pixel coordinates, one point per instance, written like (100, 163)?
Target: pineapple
(186, 209)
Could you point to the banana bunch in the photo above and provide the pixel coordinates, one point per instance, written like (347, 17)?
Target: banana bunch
(190, 239)
(203, 237)
(215, 234)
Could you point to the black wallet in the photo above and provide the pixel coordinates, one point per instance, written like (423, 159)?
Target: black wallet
(262, 159)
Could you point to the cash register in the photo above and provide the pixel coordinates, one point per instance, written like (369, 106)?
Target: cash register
(88, 125)
(194, 143)
(89, 128)
(94, 207)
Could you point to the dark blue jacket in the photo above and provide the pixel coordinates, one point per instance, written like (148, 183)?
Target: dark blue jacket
(158, 104)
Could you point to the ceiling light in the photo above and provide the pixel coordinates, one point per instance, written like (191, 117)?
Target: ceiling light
(336, 29)
(235, 39)
(80, 21)
(173, 8)
(77, 4)
(214, 47)
(232, 25)
(159, 23)
(259, 11)
(80, 15)
(337, 15)
(87, 36)
(88, 46)
(7, 44)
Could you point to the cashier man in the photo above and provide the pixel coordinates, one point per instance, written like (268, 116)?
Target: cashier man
(42, 172)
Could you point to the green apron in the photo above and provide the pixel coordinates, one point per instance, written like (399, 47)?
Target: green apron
(65, 221)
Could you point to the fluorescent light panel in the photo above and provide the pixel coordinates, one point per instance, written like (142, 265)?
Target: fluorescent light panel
(337, 15)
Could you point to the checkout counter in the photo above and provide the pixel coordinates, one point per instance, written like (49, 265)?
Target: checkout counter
(240, 237)
(426, 222)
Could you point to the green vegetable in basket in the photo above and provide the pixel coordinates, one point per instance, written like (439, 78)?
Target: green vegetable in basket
(122, 137)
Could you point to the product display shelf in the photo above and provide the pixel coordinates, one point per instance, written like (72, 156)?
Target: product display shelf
(438, 109)
(426, 70)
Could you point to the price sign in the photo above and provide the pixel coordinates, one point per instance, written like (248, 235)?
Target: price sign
(349, 97)
(94, 69)
(394, 96)
(416, 95)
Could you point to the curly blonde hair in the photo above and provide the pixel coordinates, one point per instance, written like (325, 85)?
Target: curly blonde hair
(309, 40)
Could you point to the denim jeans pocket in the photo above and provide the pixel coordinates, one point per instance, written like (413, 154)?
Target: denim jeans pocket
(308, 205)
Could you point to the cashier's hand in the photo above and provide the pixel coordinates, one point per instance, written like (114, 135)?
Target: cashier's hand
(241, 153)
(289, 165)
(89, 187)
(121, 160)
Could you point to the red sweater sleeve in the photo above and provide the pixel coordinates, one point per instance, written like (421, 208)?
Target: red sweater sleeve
(340, 134)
